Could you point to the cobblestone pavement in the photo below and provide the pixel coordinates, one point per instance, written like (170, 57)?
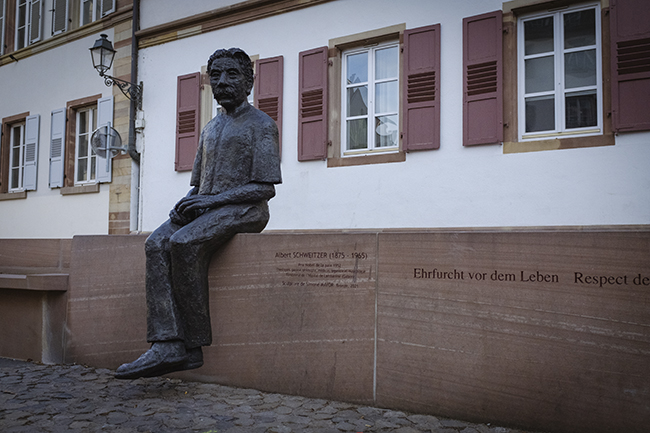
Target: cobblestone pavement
(62, 398)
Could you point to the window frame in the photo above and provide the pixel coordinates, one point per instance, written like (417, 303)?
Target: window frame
(97, 12)
(512, 10)
(371, 115)
(29, 23)
(93, 17)
(90, 165)
(69, 156)
(336, 47)
(66, 16)
(6, 125)
(21, 158)
(559, 92)
(25, 25)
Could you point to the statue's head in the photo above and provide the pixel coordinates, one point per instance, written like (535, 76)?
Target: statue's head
(231, 76)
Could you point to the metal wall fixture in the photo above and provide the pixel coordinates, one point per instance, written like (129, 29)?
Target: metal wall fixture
(102, 54)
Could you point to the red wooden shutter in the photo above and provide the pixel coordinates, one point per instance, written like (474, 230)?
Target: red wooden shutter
(268, 89)
(482, 84)
(312, 110)
(630, 48)
(421, 88)
(187, 120)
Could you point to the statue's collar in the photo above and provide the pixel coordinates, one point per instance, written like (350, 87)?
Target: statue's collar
(239, 110)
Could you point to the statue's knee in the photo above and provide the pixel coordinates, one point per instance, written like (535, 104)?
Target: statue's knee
(154, 244)
(178, 242)
(181, 246)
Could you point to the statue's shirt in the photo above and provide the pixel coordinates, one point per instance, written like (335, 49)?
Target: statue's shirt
(235, 150)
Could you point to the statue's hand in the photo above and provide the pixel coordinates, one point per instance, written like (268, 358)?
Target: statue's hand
(179, 219)
(196, 203)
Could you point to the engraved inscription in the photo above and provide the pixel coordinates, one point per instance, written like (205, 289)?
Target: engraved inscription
(340, 269)
(532, 276)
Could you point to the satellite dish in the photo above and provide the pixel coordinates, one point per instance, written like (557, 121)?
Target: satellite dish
(106, 142)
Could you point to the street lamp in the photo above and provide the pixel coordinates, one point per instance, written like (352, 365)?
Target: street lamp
(102, 54)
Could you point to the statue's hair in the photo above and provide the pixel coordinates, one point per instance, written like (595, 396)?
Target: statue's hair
(242, 59)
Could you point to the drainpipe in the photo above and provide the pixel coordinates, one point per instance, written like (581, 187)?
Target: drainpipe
(133, 152)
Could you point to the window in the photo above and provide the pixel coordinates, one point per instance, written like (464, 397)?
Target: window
(560, 76)
(60, 13)
(21, 24)
(28, 22)
(88, 12)
(85, 157)
(16, 156)
(92, 10)
(74, 166)
(370, 100)
(571, 100)
(19, 153)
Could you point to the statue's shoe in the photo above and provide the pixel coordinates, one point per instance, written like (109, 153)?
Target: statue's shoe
(162, 358)
(194, 360)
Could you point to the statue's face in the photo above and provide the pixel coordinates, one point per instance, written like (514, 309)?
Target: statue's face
(228, 82)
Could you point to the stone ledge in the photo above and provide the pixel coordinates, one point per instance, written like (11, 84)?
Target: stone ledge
(13, 195)
(43, 282)
(81, 189)
(501, 324)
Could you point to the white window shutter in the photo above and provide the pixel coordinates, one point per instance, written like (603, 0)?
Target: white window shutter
(35, 21)
(104, 116)
(57, 148)
(60, 18)
(32, 127)
(108, 6)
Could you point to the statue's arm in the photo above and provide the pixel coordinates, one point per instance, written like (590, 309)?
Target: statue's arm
(250, 193)
(174, 215)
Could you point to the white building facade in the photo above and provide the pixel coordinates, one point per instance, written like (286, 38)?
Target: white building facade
(543, 178)
(426, 114)
(52, 185)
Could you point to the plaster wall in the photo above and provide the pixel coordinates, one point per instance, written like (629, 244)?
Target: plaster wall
(39, 84)
(450, 187)
(152, 14)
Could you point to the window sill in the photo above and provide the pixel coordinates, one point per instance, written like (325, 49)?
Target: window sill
(367, 159)
(558, 143)
(80, 189)
(13, 195)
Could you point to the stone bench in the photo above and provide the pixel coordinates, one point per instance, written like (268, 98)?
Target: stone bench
(34, 282)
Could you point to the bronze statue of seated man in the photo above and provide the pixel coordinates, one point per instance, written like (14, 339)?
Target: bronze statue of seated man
(236, 167)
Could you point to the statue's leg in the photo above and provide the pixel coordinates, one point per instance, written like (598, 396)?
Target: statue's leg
(162, 315)
(191, 250)
(164, 330)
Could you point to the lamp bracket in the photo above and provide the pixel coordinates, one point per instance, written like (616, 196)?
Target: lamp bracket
(130, 90)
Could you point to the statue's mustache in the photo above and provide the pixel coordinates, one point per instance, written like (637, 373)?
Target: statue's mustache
(224, 89)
